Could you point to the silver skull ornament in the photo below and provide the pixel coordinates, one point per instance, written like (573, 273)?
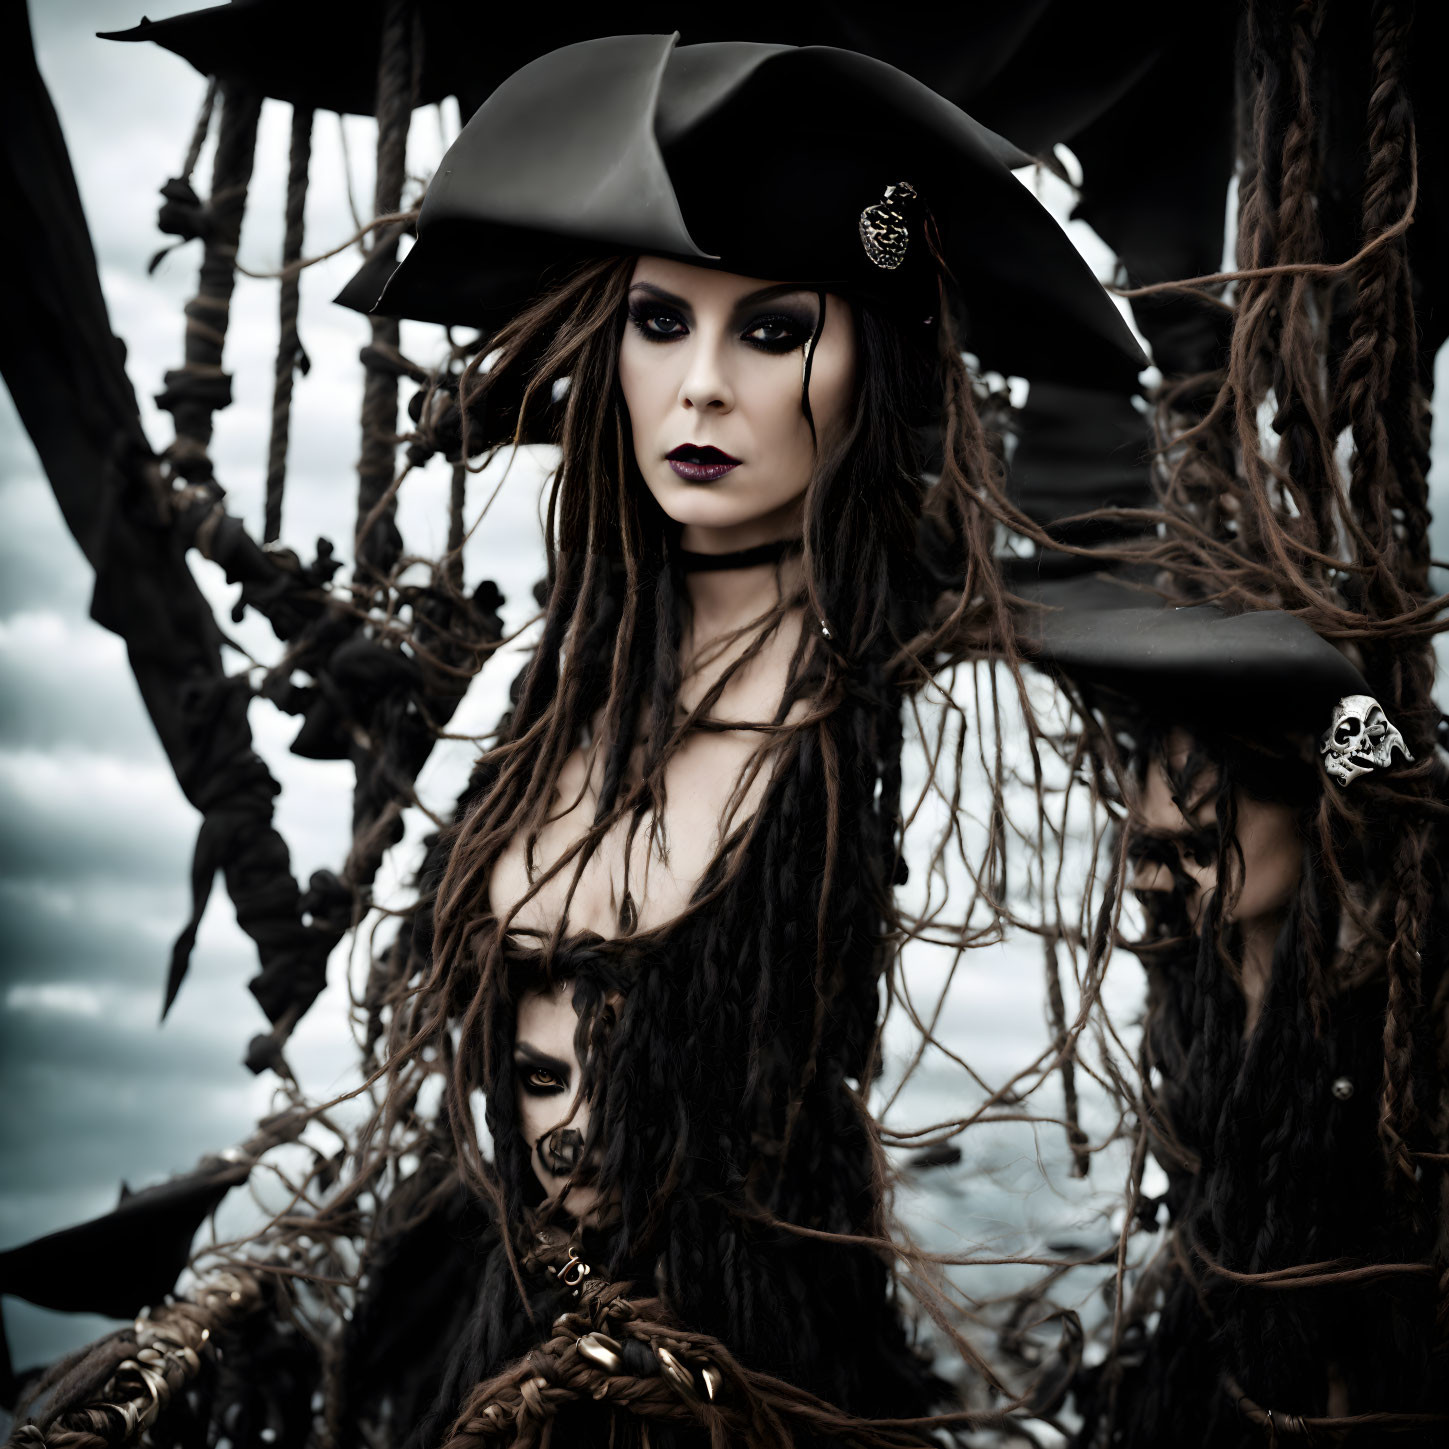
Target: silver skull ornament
(1360, 739)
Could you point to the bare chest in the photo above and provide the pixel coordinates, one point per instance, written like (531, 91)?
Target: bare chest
(643, 873)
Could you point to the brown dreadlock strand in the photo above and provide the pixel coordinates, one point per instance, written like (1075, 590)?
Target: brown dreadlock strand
(1378, 396)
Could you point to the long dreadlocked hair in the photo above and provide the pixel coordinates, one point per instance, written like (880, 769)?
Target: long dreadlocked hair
(723, 1101)
(727, 1096)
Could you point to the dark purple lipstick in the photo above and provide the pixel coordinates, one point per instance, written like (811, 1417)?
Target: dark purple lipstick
(700, 465)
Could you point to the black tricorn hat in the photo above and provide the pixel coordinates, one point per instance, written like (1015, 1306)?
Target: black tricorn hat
(1257, 675)
(810, 164)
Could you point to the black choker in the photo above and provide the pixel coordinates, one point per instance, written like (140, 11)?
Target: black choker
(744, 558)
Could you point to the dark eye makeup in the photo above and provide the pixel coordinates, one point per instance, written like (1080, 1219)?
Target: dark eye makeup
(773, 332)
(780, 332)
(540, 1076)
(656, 323)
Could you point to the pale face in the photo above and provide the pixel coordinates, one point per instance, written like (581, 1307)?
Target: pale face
(711, 367)
(1267, 835)
(552, 1116)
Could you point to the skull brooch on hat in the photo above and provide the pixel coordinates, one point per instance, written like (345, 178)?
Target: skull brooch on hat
(1360, 739)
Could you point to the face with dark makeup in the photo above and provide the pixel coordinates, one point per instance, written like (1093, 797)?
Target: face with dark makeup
(712, 367)
(553, 1117)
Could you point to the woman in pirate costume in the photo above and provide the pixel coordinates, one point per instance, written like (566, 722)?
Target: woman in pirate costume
(732, 283)
(1274, 829)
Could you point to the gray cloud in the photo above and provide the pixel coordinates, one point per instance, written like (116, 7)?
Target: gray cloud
(46, 660)
(41, 566)
(68, 935)
(67, 819)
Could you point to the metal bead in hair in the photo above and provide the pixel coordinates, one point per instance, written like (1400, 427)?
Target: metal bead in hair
(885, 230)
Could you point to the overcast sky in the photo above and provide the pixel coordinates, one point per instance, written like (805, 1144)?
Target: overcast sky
(95, 837)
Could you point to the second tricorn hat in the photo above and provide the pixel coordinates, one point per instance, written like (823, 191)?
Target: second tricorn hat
(810, 164)
(1257, 675)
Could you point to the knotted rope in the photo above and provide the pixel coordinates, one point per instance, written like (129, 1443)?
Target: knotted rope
(400, 59)
(183, 214)
(199, 387)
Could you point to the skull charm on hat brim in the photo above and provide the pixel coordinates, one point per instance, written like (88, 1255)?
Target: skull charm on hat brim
(1360, 739)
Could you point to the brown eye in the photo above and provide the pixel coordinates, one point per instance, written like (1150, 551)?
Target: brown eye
(540, 1081)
